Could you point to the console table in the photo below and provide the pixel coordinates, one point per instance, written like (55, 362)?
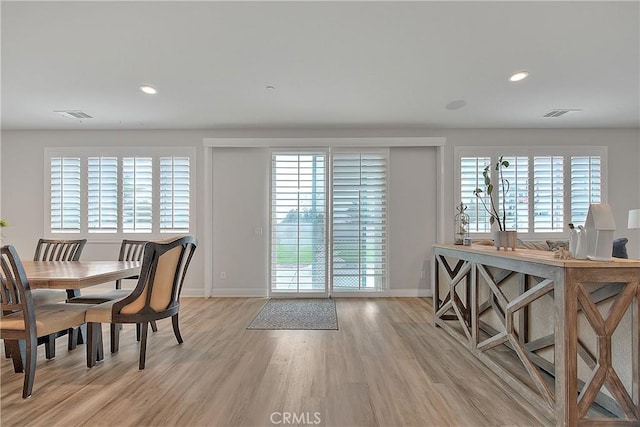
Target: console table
(584, 369)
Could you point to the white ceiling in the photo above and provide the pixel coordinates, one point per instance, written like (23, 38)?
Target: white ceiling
(364, 65)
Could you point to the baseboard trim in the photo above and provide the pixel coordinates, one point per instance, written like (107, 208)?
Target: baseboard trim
(258, 293)
(238, 292)
(390, 293)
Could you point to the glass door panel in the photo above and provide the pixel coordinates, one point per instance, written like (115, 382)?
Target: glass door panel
(299, 224)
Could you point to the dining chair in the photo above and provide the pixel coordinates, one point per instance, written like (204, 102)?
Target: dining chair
(156, 295)
(130, 250)
(22, 322)
(57, 250)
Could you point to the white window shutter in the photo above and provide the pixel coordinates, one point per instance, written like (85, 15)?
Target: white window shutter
(137, 194)
(471, 169)
(174, 194)
(359, 220)
(102, 194)
(586, 186)
(65, 194)
(516, 203)
(548, 193)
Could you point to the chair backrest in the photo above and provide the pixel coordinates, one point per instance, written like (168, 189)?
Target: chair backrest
(59, 250)
(164, 266)
(131, 250)
(16, 294)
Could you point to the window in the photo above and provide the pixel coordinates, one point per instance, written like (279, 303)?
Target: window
(586, 186)
(102, 204)
(64, 187)
(359, 220)
(547, 187)
(119, 194)
(174, 194)
(137, 194)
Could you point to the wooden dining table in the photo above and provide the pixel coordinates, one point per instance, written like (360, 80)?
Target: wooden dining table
(75, 275)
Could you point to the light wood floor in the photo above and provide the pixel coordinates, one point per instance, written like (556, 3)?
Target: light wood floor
(386, 366)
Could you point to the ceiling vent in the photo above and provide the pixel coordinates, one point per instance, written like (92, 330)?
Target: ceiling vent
(560, 112)
(74, 114)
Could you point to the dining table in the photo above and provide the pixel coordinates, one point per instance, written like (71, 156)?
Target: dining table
(75, 275)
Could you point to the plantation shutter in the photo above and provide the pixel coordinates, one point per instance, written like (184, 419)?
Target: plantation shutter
(65, 194)
(137, 194)
(359, 220)
(516, 203)
(174, 194)
(102, 193)
(548, 193)
(586, 186)
(471, 169)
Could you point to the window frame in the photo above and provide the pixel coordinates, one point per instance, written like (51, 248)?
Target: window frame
(531, 151)
(119, 152)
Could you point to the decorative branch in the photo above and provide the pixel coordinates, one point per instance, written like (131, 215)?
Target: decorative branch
(493, 207)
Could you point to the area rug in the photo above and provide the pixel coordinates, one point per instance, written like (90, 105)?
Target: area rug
(297, 313)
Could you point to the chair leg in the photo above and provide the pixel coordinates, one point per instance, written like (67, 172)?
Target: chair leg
(154, 326)
(94, 331)
(50, 346)
(115, 337)
(176, 329)
(138, 332)
(30, 371)
(7, 351)
(17, 350)
(143, 344)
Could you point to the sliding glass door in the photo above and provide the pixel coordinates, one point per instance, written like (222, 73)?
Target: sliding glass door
(299, 224)
(328, 203)
(359, 221)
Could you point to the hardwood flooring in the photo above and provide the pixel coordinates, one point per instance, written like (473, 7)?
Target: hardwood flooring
(387, 365)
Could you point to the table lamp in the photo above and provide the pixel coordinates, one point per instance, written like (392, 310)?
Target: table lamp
(634, 218)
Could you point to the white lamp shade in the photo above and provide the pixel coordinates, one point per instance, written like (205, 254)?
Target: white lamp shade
(634, 218)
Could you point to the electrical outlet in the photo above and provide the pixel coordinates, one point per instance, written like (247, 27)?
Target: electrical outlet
(223, 275)
(422, 276)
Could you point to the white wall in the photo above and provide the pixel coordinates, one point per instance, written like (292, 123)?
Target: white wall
(412, 215)
(241, 206)
(22, 183)
(412, 173)
(240, 211)
(623, 153)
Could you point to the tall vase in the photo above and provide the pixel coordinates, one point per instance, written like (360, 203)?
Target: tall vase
(505, 239)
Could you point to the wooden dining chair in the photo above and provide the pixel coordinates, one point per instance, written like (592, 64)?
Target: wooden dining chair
(130, 250)
(57, 250)
(22, 322)
(156, 295)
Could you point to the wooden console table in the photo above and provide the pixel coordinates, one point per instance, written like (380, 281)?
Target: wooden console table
(488, 300)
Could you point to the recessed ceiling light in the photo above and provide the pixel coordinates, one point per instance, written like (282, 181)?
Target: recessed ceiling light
(456, 105)
(150, 90)
(520, 75)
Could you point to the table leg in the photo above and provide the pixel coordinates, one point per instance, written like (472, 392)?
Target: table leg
(566, 347)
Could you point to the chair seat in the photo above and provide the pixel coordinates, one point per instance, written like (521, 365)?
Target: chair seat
(100, 297)
(48, 296)
(56, 318)
(101, 313)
